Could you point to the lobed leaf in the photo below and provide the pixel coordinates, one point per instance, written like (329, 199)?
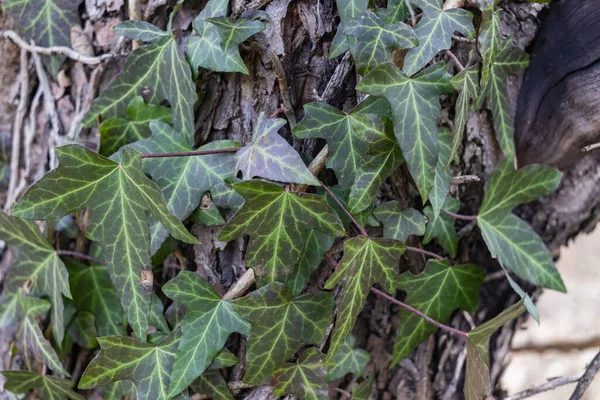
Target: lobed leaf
(349, 10)
(442, 227)
(305, 379)
(317, 244)
(443, 175)
(399, 224)
(140, 30)
(466, 83)
(47, 387)
(348, 360)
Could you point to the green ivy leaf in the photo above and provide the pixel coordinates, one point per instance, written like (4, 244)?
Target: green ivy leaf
(48, 387)
(183, 180)
(208, 216)
(436, 292)
(489, 39)
(278, 221)
(270, 156)
(305, 379)
(125, 358)
(375, 41)
(365, 262)
(140, 30)
(397, 11)
(157, 315)
(399, 224)
(117, 132)
(120, 191)
(82, 330)
(38, 264)
(47, 22)
(94, 292)
(317, 244)
(225, 196)
(233, 33)
(212, 384)
(495, 93)
(443, 175)
(416, 109)
(509, 238)
(434, 31)
(477, 380)
(467, 83)
(362, 391)
(349, 10)
(280, 326)
(442, 227)
(348, 360)
(119, 390)
(207, 324)
(159, 68)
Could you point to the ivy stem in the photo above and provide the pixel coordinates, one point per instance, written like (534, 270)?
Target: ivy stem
(455, 59)
(460, 216)
(425, 252)
(419, 313)
(79, 255)
(190, 153)
(339, 203)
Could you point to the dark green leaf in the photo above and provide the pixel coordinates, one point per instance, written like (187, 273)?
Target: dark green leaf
(365, 262)
(317, 244)
(83, 330)
(443, 175)
(225, 196)
(348, 9)
(212, 384)
(467, 83)
(280, 326)
(125, 358)
(208, 216)
(140, 30)
(120, 198)
(416, 109)
(434, 31)
(442, 227)
(37, 264)
(207, 325)
(436, 292)
(48, 387)
(397, 11)
(157, 314)
(398, 223)
(489, 39)
(305, 379)
(362, 391)
(278, 221)
(119, 390)
(183, 180)
(348, 360)
(117, 132)
(233, 33)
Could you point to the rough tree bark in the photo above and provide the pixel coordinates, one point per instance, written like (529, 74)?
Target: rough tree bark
(298, 37)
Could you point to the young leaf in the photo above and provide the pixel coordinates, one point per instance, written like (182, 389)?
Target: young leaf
(140, 30)
(207, 324)
(317, 244)
(509, 238)
(442, 227)
(47, 22)
(280, 326)
(183, 180)
(399, 224)
(365, 262)
(362, 391)
(48, 387)
(348, 360)
(94, 292)
(467, 83)
(495, 94)
(416, 109)
(120, 191)
(375, 42)
(436, 292)
(349, 10)
(117, 132)
(477, 380)
(125, 358)
(434, 31)
(278, 221)
(305, 379)
(37, 263)
(160, 69)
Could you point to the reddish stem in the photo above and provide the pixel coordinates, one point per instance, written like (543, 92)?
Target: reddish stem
(281, 109)
(455, 59)
(460, 216)
(79, 255)
(425, 252)
(190, 153)
(339, 203)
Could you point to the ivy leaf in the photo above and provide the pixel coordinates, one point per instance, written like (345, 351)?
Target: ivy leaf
(317, 244)
(125, 358)
(37, 263)
(399, 224)
(443, 175)
(362, 391)
(85, 179)
(47, 22)
(416, 109)
(365, 262)
(215, 45)
(280, 326)
(270, 156)
(348, 360)
(305, 379)
(212, 384)
(140, 30)
(434, 31)
(495, 94)
(509, 238)
(467, 83)
(397, 11)
(208, 216)
(477, 380)
(207, 324)
(489, 39)
(94, 292)
(375, 41)
(117, 132)
(225, 196)
(442, 227)
(278, 221)
(159, 68)
(119, 390)
(82, 330)
(347, 135)
(349, 10)
(183, 180)
(436, 292)
(157, 314)
(48, 387)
